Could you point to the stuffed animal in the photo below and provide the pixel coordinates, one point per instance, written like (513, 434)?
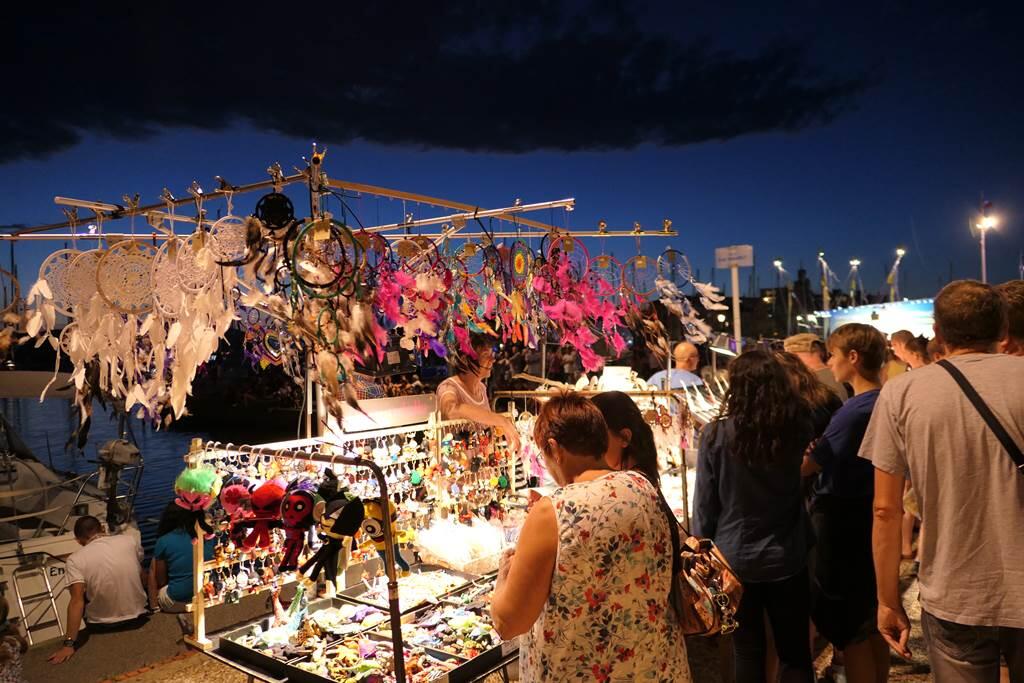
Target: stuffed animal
(296, 518)
(266, 511)
(373, 526)
(195, 490)
(337, 519)
(236, 500)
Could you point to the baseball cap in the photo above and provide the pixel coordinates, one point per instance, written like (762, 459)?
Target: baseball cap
(802, 343)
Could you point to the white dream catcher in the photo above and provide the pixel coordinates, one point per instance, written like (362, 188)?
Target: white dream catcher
(168, 296)
(123, 277)
(81, 277)
(228, 237)
(195, 265)
(56, 271)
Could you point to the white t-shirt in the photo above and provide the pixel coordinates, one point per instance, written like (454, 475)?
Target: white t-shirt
(109, 567)
(453, 387)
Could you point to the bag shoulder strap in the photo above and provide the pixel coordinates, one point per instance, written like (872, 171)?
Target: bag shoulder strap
(673, 529)
(986, 414)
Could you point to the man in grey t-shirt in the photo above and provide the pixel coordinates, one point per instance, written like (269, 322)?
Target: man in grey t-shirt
(970, 493)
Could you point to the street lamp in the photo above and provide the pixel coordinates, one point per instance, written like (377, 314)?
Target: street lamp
(894, 275)
(778, 285)
(854, 266)
(984, 225)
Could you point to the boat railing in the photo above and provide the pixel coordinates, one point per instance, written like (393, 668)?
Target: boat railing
(82, 481)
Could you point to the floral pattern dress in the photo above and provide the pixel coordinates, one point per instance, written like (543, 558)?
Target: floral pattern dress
(607, 617)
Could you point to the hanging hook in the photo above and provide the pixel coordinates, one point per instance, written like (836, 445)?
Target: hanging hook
(72, 216)
(197, 196)
(276, 175)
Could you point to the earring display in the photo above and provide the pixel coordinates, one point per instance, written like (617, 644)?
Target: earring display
(330, 517)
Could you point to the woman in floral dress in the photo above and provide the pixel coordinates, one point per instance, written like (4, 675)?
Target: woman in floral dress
(589, 581)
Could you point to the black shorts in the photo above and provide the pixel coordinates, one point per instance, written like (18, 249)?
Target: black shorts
(843, 595)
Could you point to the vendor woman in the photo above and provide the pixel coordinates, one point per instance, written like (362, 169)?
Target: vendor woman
(463, 396)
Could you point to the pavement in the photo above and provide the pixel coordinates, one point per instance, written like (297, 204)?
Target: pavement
(154, 652)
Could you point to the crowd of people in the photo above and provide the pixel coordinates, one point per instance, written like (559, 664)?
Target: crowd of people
(801, 483)
(805, 482)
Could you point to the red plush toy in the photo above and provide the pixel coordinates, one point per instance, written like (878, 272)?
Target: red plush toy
(266, 511)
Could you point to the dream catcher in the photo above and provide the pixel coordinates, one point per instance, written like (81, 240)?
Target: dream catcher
(11, 292)
(469, 261)
(639, 276)
(168, 297)
(520, 264)
(674, 267)
(416, 254)
(233, 239)
(81, 277)
(56, 271)
(325, 258)
(674, 273)
(10, 314)
(375, 262)
(275, 211)
(605, 277)
(570, 250)
(124, 277)
(195, 265)
(262, 343)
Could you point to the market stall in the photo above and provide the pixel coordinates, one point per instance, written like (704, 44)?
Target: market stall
(365, 508)
(443, 490)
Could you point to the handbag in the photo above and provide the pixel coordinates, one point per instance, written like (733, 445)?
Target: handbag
(706, 592)
(986, 414)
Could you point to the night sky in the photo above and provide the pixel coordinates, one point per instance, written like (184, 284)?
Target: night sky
(852, 129)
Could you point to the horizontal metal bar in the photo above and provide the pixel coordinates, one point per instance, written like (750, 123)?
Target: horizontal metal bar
(568, 232)
(421, 199)
(467, 216)
(123, 212)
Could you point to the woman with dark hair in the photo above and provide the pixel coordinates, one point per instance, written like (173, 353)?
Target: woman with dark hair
(630, 439)
(601, 612)
(463, 396)
(170, 570)
(749, 501)
(822, 400)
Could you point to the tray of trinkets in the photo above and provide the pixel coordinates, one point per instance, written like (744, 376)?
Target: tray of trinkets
(326, 621)
(370, 657)
(426, 584)
(262, 645)
(460, 626)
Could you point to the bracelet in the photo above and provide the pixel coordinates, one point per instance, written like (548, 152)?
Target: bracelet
(68, 642)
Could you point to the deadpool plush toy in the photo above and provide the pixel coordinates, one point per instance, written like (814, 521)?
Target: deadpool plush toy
(266, 514)
(296, 518)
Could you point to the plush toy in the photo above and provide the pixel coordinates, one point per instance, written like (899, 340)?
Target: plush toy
(266, 511)
(236, 500)
(297, 517)
(337, 519)
(195, 490)
(373, 526)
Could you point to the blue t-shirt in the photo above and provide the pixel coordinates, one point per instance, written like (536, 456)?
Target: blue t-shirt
(680, 379)
(843, 474)
(175, 549)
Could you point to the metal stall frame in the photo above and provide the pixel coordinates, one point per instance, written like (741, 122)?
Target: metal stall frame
(295, 450)
(195, 458)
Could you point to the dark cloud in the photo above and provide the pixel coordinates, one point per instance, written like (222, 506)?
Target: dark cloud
(482, 76)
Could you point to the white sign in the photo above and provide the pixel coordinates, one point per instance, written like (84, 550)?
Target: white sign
(740, 255)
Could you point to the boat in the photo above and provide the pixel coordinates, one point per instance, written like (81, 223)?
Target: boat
(38, 510)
